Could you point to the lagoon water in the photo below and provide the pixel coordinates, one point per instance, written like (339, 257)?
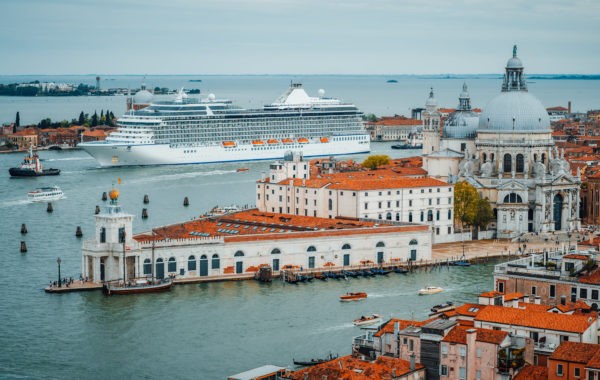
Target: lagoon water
(203, 331)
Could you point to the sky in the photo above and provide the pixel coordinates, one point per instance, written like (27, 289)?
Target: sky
(297, 36)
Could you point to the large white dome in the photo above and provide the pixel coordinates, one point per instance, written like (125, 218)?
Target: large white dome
(143, 97)
(517, 111)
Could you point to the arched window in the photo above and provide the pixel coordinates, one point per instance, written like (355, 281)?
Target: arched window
(535, 156)
(346, 246)
(513, 198)
(239, 254)
(437, 215)
(507, 163)
(147, 266)
(429, 215)
(543, 158)
(380, 244)
(330, 203)
(102, 235)
(397, 217)
(413, 242)
(422, 216)
(276, 251)
(412, 249)
(216, 263)
(520, 163)
(491, 156)
(311, 249)
(172, 267)
(192, 262)
(388, 216)
(484, 157)
(410, 217)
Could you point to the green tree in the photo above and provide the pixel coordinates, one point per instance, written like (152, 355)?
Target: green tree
(370, 117)
(373, 162)
(95, 119)
(466, 201)
(81, 118)
(484, 214)
(101, 114)
(18, 120)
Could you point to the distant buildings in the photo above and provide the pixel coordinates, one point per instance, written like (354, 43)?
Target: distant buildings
(397, 128)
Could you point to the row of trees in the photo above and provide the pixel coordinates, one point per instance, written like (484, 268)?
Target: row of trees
(84, 119)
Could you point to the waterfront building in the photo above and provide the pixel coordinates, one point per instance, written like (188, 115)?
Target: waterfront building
(574, 360)
(377, 195)
(555, 278)
(234, 245)
(24, 139)
(397, 128)
(510, 158)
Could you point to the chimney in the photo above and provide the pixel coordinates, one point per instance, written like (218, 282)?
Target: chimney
(537, 300)
(412, 361)
(563, 300)
(305, 375)
(569, 106)
(393, 373)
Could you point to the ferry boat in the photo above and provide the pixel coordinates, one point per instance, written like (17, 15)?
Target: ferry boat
(186, 131)
(31, 167)
(353, 297)
(44, 194)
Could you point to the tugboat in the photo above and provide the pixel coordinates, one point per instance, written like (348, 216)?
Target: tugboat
(31, 167)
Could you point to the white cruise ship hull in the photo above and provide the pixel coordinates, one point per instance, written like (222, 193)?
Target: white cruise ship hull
(112, 154)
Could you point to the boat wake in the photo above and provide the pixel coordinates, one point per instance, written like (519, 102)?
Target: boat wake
(16, 202)
(173, 177)
(68, 159)
(342, 326)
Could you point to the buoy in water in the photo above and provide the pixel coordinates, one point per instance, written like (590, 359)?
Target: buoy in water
(97, 210)
(78, 232)
(23, 228)
(23, 247)
(186, 201)
(49, 208)
(104, 196)
(146, 199)
(144, 213)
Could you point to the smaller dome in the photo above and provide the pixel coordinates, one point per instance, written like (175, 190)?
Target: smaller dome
(113, 194)
(514, 63)
(211, 97)
(465, 92)
(143, 97)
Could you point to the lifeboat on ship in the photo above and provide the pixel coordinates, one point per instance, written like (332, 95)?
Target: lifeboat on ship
(229, 144)
(272, 141)
(303, 140)
(287, 141)
(348, 297)
(324, 139)
(258, 143)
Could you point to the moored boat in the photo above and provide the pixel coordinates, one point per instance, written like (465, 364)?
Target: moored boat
(272, 141)
(443, 307)
(31, 167)
(242, 170)
(430, 290)
(314, 361)
(367, 320)
(303, 140)
(229, 144)
(287, 141)
(44, 194)
(353, 296)
(258, 143)
(138, 286)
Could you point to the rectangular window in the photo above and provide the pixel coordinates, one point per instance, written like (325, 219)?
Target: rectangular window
(389, 204)
(411, 345)
(583, 293)
(438, 201)
(122, 235)
(410, 191)
(280, 198)
(534, 290)
(594, 294)
(552, 291)
(559, 370)
(429, 201)
(449, 230)
(258, 196)
(478, 352)
(366, 205)
(444, 349)
(478, 374)
(462, 373)
(379, 204)
(449, 214)
(501, 287)
(449, 201)
(444, 370)
(437, 230)
(404, 341)
(463, 351)
(410, 203)
(397, 203)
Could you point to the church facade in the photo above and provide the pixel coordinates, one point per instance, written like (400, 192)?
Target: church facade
(510, 158)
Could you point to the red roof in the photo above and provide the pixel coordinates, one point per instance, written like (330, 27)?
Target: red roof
(366, 180)
(575, 352)
(388, 328)
(458, 335)
(490, 294)
(395, 121)
(532, 372)
(536, 318)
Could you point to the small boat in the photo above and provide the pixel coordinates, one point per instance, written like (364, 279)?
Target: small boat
(229, 144)
(404, 146)
(242, 170)
(324, 139)
(430, 290)
(314, 361)
(380, 271)
(303, 140)
(138, 286)
(353, 296)
(258, 142)
(31, 167)
(442, 307)
(401, 270)
(350, 274)
(272, 141)
(463, 262)
(287, 141)
(367, 320)
(392, 81)
(44, 194)
(321, 276)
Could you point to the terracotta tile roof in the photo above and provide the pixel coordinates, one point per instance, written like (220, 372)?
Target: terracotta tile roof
(469, 309)
(253, 225)
(458, 335)
(576, 257)
(557, 108)
(532, 372)
(575, 352)
(490, 294)
(352, 368)
(94, 133)
(573, 306)
(536, 319)
(491, 336)
(533, 307)
(594, 362)
(367, 180)
(513, 296)
(395, 121)
(591, 278)
(388, 328)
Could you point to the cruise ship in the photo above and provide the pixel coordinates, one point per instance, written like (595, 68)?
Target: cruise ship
(189, 131)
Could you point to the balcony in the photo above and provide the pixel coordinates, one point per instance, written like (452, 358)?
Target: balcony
(510, 359)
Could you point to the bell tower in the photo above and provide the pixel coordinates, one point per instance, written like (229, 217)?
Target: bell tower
(431, 125)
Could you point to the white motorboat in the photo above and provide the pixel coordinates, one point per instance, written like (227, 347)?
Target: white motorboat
(430, 290)
(44, 194)
(367, 320)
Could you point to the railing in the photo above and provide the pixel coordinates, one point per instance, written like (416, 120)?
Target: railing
(363, 341)
(180, 242)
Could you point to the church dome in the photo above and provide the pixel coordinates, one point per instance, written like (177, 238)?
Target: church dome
(514, 63)
(461, 125)
(143, 97)
(514, 111)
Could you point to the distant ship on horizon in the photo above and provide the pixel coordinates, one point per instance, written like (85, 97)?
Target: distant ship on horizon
(188, 131)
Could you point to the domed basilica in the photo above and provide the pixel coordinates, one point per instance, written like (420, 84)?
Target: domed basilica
(508, 155)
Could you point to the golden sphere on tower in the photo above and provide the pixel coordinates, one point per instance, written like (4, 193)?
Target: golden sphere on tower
(114, 194)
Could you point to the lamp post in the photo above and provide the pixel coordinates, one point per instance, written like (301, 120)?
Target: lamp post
(59, 282)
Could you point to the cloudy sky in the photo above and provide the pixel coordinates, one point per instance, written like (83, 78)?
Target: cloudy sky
(296, 36)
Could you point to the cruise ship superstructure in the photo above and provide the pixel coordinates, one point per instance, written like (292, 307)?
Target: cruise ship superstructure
(186, 131)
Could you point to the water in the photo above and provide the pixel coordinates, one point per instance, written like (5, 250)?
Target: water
(370, 93)
(204, 331)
